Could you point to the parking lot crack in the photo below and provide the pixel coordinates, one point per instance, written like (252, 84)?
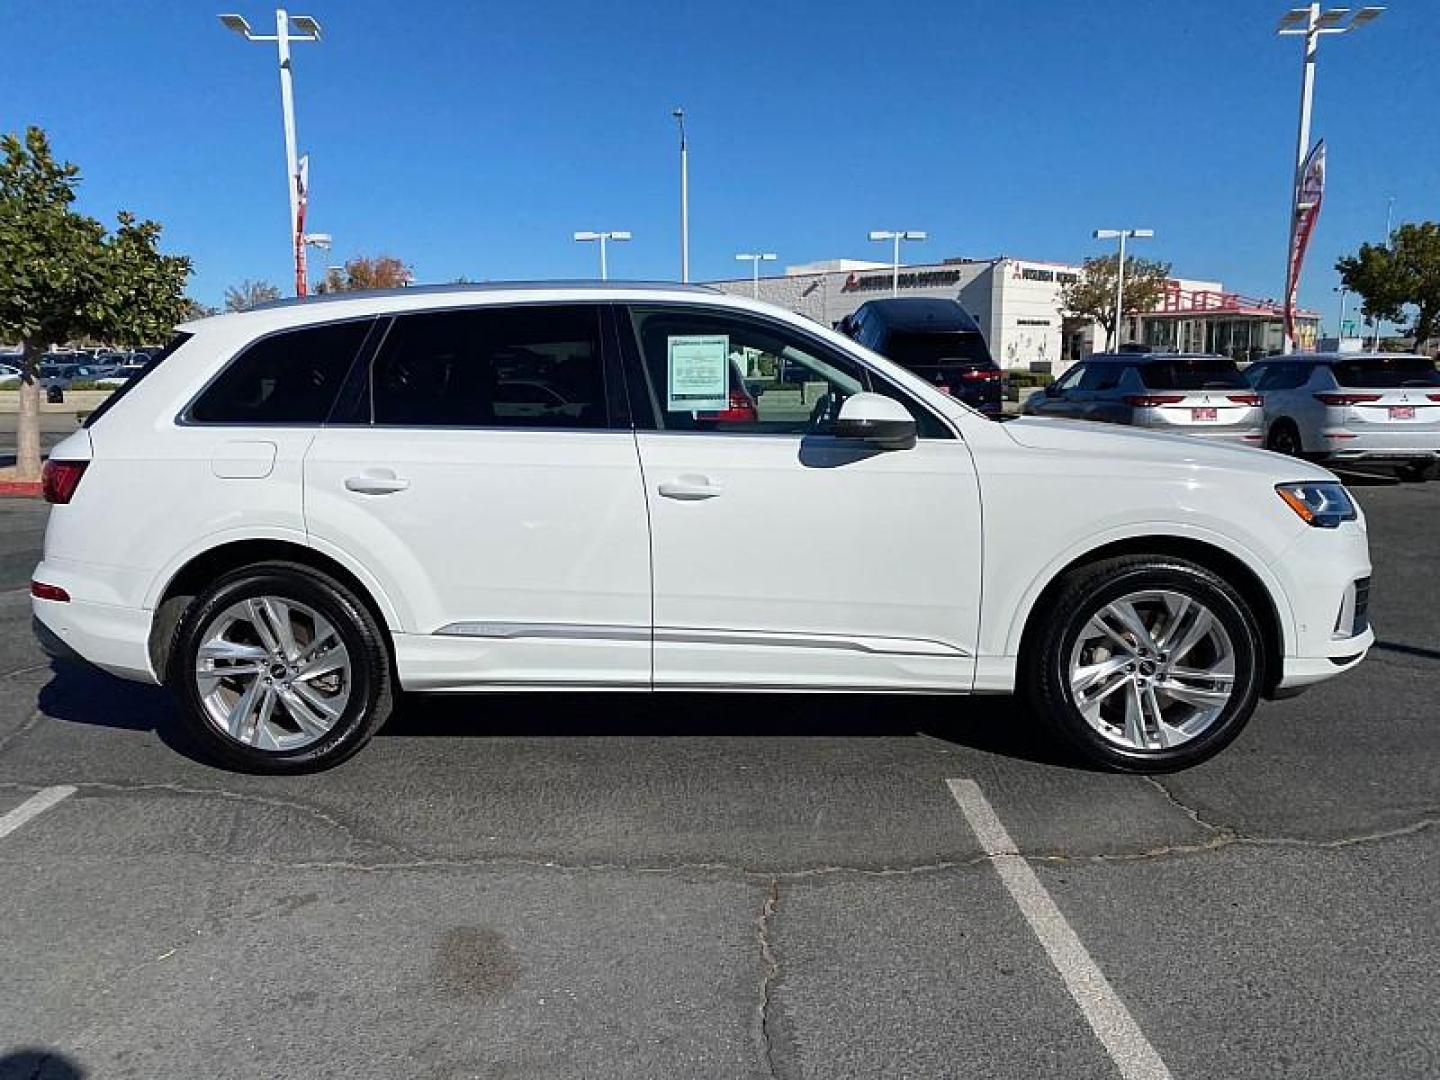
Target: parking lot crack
(1186, 809)
(769, 973)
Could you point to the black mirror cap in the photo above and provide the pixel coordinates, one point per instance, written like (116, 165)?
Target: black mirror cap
(885, 434)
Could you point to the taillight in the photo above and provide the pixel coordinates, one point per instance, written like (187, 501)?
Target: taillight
(1153, 401)
(42, 591)
(740, 411)
(980, 375)
(1346, 399)
(59, 479)
(1246, 399)
(1433, 397)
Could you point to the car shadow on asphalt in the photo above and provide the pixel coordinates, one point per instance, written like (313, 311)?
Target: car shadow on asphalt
(79, 694)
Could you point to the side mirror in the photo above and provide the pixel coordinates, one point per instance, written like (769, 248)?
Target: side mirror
(878, 420)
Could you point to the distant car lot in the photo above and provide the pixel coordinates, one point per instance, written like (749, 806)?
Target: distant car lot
(706, 885)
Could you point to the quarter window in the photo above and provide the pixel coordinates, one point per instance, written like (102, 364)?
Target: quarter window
(287, 378)
(532, 366)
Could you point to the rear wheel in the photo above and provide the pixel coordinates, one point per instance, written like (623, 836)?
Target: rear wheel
(1416, 472)
(280, 669)
(1145, 663)
(1284, 438)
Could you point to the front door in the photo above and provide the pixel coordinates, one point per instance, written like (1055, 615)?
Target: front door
(783, 556)
(480, 475)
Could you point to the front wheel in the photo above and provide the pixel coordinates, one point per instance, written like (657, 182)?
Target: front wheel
(1145, 663)
(280, 669)
(1416, 472)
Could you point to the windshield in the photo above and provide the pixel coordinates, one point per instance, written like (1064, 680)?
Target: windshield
(1211, 373)
(918, 348)
(1382, 372)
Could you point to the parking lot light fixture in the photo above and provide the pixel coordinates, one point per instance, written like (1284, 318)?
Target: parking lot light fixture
(1122, 235)
(679, 115)
(586, 236)
(1311, 23)
(755, 260)
(896, 237)
(288, 30)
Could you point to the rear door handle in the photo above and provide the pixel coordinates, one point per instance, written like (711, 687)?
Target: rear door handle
(377, 482)
(689, 488)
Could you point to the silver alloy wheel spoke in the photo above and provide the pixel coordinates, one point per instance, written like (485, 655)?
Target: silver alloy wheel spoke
(1152, 670)
(272, 673)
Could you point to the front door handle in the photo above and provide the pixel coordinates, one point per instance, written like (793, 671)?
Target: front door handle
(377, 482)
(689, 488)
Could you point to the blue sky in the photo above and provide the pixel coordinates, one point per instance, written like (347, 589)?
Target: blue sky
(473, 138)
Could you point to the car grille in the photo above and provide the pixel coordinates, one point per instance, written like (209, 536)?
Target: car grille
(1362, 606)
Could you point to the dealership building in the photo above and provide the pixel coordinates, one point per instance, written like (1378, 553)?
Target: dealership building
(1016, 303)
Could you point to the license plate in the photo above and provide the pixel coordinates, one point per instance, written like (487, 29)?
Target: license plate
(1202, 414)
(1402, 412)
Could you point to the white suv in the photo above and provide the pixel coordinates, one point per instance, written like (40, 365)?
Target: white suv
(1363, 408)
(300, 510)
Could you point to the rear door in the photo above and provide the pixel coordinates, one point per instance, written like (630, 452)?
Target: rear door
(483, 470)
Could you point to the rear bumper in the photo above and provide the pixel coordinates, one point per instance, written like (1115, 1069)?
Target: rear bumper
(113, 637)
(1249, 434)
(1393, 443)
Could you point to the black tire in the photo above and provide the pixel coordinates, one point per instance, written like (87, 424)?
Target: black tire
(1415, 472)
(371, 685)
(1284, 438)
(1044, 663)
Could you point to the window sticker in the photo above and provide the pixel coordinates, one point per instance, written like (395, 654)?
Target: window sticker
(697, 372)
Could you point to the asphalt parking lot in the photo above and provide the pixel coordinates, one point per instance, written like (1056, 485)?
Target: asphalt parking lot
(727, 886)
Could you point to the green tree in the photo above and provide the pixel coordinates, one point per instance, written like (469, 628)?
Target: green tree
(362, 272)
(1092, 294)
(1395, 280)
(249, 294)
(63, 278)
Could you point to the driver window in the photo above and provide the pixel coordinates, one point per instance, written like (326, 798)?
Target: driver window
(714, 372)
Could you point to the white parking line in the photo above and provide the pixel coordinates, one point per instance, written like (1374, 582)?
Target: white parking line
(1103, 1010)
(33, 807)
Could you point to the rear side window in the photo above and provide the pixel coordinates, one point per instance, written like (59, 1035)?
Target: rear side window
(531, 366)
(288, 378)
(1208, 374)
(1387, 372)
(129, 384)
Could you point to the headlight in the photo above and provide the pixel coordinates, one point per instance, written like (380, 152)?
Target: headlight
(1324, 505)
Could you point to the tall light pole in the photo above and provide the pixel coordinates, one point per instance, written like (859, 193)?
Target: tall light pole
(288, 29)
(755, 260)
(1122, 234)
(887, 234)
(679, 115)
(1311, 24)
(1344, 291)
(603, 238)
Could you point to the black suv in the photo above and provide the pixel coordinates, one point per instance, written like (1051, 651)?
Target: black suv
(937, 340)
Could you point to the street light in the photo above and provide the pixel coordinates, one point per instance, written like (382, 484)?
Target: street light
(886, 234)
(679, 115)
(1309, 22)
(1121, 234)
(286, 27)
(755, 260)
(603, 237)
(1344, 291)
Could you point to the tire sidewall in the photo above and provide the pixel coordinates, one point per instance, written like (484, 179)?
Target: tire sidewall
(351, 622)
(1286, 431)
(1223, 602)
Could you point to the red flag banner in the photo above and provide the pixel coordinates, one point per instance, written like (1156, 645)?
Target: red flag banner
(1308, 196)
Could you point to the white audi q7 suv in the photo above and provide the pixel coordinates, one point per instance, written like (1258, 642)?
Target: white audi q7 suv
(296, 512)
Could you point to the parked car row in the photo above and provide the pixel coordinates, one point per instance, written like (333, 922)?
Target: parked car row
(1374, 409)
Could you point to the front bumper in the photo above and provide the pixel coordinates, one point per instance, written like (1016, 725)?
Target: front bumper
(1322, 573)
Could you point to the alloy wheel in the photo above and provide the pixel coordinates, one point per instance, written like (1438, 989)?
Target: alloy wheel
(1152, 670)
(272, 673)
